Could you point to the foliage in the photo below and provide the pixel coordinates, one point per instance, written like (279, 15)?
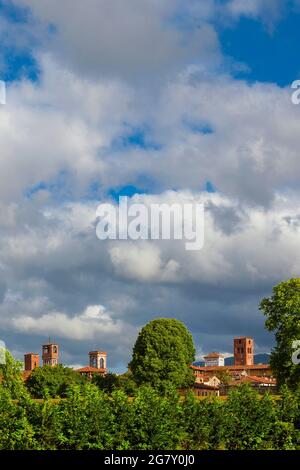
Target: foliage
(127, 383)
(224, 376)
(282, 310)
(203, 422)
(155, 420)
(89, 418)
(111, 382)
(248, 418)
(16, 432)
(142, 408)
(107, 382)
(162, 355)
(84, 419)
(289, 406)
(11, 376)
(51, 382)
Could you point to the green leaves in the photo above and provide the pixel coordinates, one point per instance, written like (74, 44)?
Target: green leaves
(162, 355)
(16, 432)
(91, 419)
(101, 415)
(282, 311)
(249, 419)
(155, 421)
(52, 382)
(11, 376)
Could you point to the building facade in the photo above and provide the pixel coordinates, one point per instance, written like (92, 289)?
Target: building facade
(215, 373)
(31, 361)
(214, 359)
(97, 366)
(50, 354)
(98, 359)
(243, 349)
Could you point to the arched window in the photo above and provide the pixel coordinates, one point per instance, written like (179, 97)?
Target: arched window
(101, 363)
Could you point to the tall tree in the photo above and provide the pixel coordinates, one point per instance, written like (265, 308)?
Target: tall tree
(282, 310)
(162, 355)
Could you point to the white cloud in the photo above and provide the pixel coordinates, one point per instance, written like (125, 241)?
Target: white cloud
(142, 262)
(80, 119)
(67, 130)
(58, 126)
(124, 37)
(269, 11)
(56, 274)
(245, 253)
(93, 323)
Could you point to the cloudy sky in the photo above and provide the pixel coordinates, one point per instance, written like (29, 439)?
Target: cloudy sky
(159, 100)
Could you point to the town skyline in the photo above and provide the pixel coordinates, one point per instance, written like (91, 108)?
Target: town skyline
(38, 357)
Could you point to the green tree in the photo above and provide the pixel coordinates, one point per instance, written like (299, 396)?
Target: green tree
(162, 355)
(249, 419)
(84, 420)
(11, 376)
(282, 310)
(154, 422)
(127, 383)
(111, 382)
(203, 423)
(286, 432)
(107, 382)
(121, 419)
(52, 382)
(16, 432)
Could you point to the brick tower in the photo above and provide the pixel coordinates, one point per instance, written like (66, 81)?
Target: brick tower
(50, 354)
(243, 348)
(98, 359)
(31, 361)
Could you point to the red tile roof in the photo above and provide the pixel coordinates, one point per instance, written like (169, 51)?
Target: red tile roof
(213, 354)
(255, 379)
(91, 369)
(98, 352)
(220, 368)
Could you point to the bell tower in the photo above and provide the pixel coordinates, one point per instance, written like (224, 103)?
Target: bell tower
(98, 359)
(243, 349)
(50, 354)
(31, 361)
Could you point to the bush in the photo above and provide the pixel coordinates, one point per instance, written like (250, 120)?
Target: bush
(52, 382)
(89, 418)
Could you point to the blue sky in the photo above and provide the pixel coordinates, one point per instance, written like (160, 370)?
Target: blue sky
(269, 56)
(169, 100)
